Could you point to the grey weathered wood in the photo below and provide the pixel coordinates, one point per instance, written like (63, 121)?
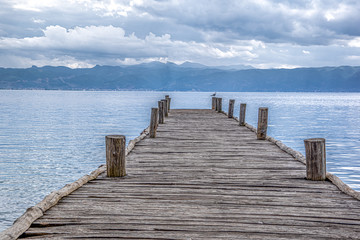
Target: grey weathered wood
(167, 97)
(154, 122)
(166, 114)
(315, 158)
(262, 123)
(242, 114)
(219, 104)
(115, 155)
(161, 112)
(231, 108)
(213, 103)
(183, 184)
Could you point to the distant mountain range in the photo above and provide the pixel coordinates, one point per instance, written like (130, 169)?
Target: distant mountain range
(184, 77)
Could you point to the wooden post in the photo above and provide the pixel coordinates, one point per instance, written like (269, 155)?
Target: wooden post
(231, 108)
(213, 103)
(242, 114)
(115, 155)
(262, 123)
(315, 159)
(219, 104)
(166, 114)
(161, 112)
(168, 103)
(153, 122)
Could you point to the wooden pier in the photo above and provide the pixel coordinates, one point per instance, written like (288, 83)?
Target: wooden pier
(204, 177)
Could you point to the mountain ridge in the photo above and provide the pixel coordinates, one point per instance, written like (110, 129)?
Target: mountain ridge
(185, 77)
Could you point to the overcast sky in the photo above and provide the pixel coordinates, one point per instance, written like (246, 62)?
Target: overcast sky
(260, 33)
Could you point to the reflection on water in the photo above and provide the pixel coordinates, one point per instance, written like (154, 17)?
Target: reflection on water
(51, 138)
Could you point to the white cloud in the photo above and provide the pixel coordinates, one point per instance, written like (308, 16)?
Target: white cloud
(260, 33)
(109, 42)
(354, 42)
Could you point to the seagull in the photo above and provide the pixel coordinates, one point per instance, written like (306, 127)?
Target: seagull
(213, 95)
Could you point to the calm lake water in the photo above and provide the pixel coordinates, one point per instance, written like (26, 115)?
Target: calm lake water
(51, 138)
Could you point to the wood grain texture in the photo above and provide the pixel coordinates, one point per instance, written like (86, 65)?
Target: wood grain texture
(213, 103)
(262, 123)
(231, 108)
(154, 122)
(115, 155)
(315, 159)
(242, 114)
(218, 107)
(204, 177)
(161, 112)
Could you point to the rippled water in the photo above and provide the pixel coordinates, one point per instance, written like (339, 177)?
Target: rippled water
(51, 138)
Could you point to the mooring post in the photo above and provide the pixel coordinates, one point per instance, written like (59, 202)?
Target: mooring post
(219, 104)
(242, 114)
(153, 122)
(167, 97)
(161, 112)
(213, 103)
(216, 104)
(231, 108)
(315, 159)
(115, 155)
(262, 123)
(166, 114)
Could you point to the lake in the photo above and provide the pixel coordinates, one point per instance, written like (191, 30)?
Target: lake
(51, 138)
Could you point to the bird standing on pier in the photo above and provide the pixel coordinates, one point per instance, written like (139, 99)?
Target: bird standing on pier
(213, 95)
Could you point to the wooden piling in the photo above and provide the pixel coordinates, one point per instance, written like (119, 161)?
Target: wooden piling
(213, 103)
(231, 108)
(166, 114)
(115, 155)
(262, 123)
(167, 97)
(242, 114)
(153, 122)
(219, 104)
(315, 159)
(161, 112)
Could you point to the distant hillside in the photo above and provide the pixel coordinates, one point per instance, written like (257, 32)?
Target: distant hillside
(186, 77)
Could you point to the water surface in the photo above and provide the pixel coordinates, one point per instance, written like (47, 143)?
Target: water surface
(51, 138)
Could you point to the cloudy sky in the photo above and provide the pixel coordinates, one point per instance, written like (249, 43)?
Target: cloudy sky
(260, 33)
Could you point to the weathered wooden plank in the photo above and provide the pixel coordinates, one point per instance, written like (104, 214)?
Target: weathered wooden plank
(204, 177)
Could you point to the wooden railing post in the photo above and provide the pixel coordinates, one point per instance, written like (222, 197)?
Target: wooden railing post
(231, 108)
(115, 155)
(315, 159)
(262, 123)
(161, 112)
(166, 114)
(242, 114)
(167, 97)
(219, 104)
(213, 103)
(153, 122)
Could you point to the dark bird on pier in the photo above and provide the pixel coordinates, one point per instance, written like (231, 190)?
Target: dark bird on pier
(213, 95)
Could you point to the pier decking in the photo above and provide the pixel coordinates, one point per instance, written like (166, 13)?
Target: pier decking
(204, 177)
